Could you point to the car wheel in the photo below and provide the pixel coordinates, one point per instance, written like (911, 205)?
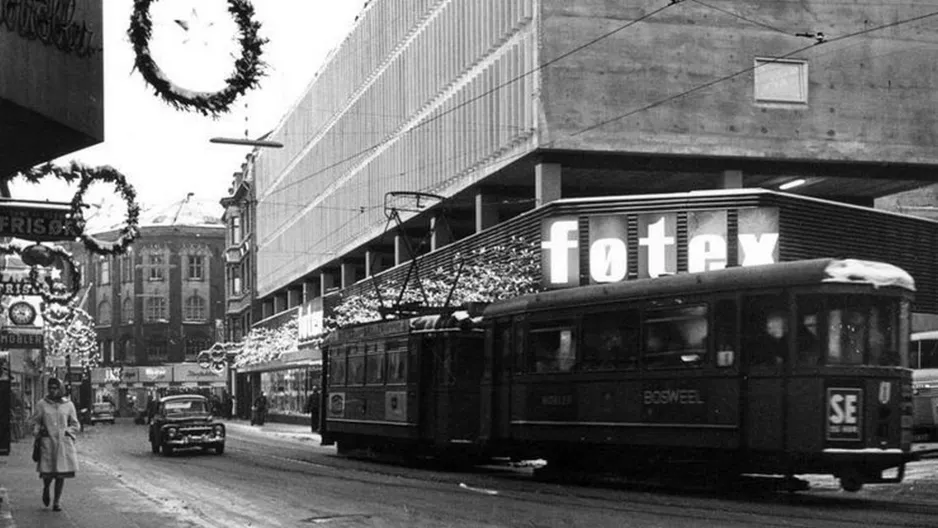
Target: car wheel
(219, 449)
(155, 447)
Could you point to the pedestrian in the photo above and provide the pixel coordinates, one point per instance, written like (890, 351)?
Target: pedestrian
(260, 409)
(55, 422)
(312, 407)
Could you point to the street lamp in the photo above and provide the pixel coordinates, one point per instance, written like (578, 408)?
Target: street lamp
(247, 142)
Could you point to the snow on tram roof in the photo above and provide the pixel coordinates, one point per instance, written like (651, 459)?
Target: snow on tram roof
(878, 274)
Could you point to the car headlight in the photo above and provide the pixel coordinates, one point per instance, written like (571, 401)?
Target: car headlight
(219, 430)
(171, 432)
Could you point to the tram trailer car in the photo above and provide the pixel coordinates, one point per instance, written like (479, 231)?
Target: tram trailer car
(790, 368)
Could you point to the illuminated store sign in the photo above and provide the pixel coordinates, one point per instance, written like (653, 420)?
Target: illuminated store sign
(656, 245)
(51, 22)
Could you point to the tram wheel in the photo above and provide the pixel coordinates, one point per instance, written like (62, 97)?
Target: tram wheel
(851, 480)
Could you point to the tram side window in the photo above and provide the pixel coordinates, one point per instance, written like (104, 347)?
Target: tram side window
(610, 341)
(553, 349)
(337, 366)
(808, 333)
(857, 324)
(397, 361)
(765, 327)
(675, 337)
(356, 366)
(925, 354)
(724, 322)
(375, 364)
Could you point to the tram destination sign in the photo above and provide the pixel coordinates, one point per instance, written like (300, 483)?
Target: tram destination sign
(39, 221)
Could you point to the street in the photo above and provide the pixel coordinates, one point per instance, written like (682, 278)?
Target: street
(266, 479)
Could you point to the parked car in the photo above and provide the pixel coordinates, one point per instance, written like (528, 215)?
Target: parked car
(185, 421)
(102, 412)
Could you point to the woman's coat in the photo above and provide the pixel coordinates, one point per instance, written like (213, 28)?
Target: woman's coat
(58, 448)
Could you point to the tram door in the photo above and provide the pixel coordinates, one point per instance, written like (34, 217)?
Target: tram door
(766, 341)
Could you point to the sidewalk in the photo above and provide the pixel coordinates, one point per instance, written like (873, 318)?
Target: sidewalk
(84, 502)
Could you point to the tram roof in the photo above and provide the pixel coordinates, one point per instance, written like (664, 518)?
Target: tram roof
(793, 273)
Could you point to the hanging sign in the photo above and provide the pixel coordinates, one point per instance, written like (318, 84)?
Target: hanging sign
(38, 221)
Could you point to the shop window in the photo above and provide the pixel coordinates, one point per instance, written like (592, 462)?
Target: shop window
(552, 348)
(610, 341)
(675, 337)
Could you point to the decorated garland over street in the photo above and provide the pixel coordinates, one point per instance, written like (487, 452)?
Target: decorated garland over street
(247, 70)
(50, 289)
(127, 233)
(86, 175)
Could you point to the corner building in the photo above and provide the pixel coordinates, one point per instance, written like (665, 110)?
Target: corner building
(505, 107)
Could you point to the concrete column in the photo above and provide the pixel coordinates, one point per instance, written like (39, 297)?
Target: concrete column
(401, 253)
(547, 183)
(731, 179)
(347, 274)
(294, 297)
(441, 235)
(326, 282)
(486, 214)
(373, 262)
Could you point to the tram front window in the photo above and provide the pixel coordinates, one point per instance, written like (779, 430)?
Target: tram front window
(848, 330)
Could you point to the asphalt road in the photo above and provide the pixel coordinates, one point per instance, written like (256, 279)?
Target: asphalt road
(264, 480)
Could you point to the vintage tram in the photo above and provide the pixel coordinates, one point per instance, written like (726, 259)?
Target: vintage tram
(790, 368)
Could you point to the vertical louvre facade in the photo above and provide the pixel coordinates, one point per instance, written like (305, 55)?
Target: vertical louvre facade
(395, 109)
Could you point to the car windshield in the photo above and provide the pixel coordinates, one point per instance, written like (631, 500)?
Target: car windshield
(178, 407)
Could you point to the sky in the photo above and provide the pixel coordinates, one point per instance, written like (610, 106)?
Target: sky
(165, 153)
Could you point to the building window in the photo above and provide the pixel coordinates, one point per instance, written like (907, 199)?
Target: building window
(156, 352)
(155, 265)
(781, 81)
(130, 355)
(156, 309)
(194, 346)
(235, 230)
(235, 277)
(104, 271)
(127, 268)
(194, 309)
(104, 313)
(195, 271)
(127, 310)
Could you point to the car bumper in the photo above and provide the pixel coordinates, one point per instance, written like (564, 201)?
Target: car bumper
(195, 441)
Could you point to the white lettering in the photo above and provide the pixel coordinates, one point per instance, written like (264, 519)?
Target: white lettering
(608, 260)
(657, 242)
(558, 247)
(757, 250)
(706, 252)
(837, 416)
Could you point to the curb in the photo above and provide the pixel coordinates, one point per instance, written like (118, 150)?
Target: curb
(6, 514)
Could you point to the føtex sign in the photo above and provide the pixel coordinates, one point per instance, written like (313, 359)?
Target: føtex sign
(623, 246)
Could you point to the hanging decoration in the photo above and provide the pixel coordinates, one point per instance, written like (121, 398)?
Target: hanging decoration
(130, 229)
(86, 175)
(51, 288)
(73, 334)
(248, 68)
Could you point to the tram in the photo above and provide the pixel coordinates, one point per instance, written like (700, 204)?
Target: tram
(923, 359)
(784, 369)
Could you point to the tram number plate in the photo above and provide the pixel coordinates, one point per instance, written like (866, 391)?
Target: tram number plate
(844, 414)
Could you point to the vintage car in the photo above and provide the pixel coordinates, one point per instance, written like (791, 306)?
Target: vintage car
(102, 412)
(185, 421)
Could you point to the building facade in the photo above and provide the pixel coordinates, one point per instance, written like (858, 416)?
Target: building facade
(496, 109)
(238, 219)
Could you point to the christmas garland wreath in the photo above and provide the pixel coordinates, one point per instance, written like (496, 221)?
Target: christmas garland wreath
(130, 230)
(56, 292)
(248, 68)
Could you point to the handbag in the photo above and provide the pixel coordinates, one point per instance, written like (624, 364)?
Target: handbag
(37, 449)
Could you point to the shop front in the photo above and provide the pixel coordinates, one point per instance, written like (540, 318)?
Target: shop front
(288, 382)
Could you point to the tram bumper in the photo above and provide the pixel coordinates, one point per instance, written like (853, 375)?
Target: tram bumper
(856, 467)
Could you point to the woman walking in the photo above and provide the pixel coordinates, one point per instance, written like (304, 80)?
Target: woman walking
(56, 424)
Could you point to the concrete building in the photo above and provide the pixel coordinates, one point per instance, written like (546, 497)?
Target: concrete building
(500, 108)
